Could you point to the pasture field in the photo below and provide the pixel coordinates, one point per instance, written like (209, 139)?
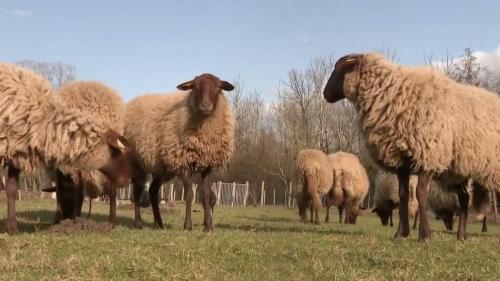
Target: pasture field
(248, 244)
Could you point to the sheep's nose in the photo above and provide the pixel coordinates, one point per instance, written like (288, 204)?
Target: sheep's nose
(206, 107)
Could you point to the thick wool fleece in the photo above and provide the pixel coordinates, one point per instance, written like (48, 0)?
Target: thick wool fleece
(350, 180)
(315, 171)
(37, 128)
(420, 115)
(387, 192)
(169, 136)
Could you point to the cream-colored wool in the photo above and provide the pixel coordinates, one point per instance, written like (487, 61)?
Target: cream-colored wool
(387, 192)
(38, 129)
(315, 173)
(420, 114)
(105, 105)
(169, 137)
(350, 180)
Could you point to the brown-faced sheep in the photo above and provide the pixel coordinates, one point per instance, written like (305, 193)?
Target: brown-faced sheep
(107, 106)
(178, 135)
(417, 120)
(317, 179)
(38, 129)
(350, 183)
(387, 197)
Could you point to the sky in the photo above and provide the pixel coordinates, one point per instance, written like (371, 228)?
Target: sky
(140, 47)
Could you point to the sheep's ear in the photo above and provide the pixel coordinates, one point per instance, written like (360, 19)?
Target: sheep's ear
(226, 86)
(117, 141)
(185, 86)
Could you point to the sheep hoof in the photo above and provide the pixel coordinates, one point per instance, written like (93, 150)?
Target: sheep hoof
(138, 224)
(12, 228)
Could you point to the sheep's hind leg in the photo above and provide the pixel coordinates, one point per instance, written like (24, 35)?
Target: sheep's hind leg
(463, 200)
(415, 220)
(138, 188)
(154, 194)
(404, 226)
(485, 227)
(112, 206)
(188, 198)
(207, 214)
(424, 229)
(11, 194)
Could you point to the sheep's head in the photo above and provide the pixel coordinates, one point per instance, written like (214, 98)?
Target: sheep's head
(303, 202)
(119, 168)
(344, 79)
(383, 214)
(205, 91)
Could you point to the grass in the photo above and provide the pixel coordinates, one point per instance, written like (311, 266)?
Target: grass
(248, 244)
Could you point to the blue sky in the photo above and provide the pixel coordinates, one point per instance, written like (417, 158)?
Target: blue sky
(140, 47)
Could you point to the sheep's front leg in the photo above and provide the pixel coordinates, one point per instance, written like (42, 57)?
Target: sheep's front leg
(391, 224)
(138, 187)
(311, 210)
(341, 209)
(485, 227)
(463, 201)
(404, 179)
(11, 194)
(112, 206)
(424, 231)
(207, 214)
(327, 217)
(415, 220)
(154, 194)
(188, 197)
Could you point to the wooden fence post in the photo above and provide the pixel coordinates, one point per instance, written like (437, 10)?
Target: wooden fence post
(219, 187)
(172, 192)
(274, 196)
(233, 194)
(290, 195)
(246, 194)
(495, 207)
(182, 194)
(129, 190)
(262, 194)
(195, 189)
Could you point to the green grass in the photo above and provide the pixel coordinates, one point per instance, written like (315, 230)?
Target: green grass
(248, 244)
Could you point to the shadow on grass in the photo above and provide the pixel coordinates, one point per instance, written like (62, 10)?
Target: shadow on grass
(287, 229)
(269, 219)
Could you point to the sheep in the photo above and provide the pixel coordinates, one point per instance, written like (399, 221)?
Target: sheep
(317, 180)
(350, 183)
(181, 134)
(416, 120)
(108, 107)
(38, 130)
(387, 197)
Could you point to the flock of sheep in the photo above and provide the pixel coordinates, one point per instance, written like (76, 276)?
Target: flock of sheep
(416, 122)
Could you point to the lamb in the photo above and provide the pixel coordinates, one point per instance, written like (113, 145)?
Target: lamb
(350, 183)
(387, 197)
(417, 120)
(317, 180)
(38, 130)
(179, 135)
(109, 108)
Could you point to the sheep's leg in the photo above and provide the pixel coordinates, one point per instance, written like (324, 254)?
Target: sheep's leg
(424, 229)
(78, 193)
(154, 193)
(11, 194)
(463, 201)
(404, 180)
(390, 219)
(207, 214)
(341, 209)
(188, 197)
(112, 206)
(415, 220)
(311, 209)
(327, 217)
(138, 188)
(485, 227)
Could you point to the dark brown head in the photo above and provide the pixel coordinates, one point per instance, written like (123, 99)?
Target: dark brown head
(303, 202)
(119, 169)
(383, 214)
(335, 87)
(205, 89)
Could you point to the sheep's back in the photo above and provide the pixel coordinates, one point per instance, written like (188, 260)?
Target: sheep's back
(313, 164)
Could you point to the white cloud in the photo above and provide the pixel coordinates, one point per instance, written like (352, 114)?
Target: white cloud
(490, 59)
(19, 13)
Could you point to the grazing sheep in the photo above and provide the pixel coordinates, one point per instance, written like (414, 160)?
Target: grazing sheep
(417, 120)
(38, 129)
(387, 197)
(179, 135)
(317, 179)
(107, 106)
(350, 183)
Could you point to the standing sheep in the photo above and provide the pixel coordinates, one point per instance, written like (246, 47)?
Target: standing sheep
(317, 179)
(419, 121)
(350, 183)
(37, 129)
(178, 135)
(387, 197)
(107, 106)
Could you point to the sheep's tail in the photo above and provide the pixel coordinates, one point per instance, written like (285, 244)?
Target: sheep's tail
(90, 208)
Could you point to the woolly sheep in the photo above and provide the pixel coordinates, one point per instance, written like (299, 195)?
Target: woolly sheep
(107, 106)
(417, 120)
(317, 179)
(387, 197)
(350, 183)
(181, 134)
(37, 129)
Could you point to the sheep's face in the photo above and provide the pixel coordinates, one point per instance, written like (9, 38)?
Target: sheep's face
(303, 202)
(205, 91)
(383, 215)
(344, 78)
(119, 168)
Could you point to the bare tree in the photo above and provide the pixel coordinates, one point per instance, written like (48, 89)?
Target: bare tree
(56, 73)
